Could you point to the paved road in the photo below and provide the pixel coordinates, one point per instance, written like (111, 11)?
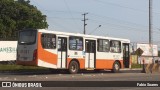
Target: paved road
(83, 77)
(124, 75)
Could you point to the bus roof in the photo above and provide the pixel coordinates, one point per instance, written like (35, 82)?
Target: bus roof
(82, 35)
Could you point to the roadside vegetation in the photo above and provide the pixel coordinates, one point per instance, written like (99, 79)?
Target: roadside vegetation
(16, 15)
(136, 66)
(19, 68)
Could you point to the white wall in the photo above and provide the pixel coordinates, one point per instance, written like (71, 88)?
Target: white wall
(8, 50)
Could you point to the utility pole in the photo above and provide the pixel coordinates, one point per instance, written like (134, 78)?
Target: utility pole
(84, 32)
(150, 28)
(150, 22)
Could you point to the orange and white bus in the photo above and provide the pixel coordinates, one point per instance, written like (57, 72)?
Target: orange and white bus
(71, 51)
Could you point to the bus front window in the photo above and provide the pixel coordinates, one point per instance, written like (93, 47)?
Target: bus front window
(27, 37)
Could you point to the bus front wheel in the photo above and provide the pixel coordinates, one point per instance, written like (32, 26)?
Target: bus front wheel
(73, 67)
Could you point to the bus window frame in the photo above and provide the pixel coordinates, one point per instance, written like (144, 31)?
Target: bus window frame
(98, 44)
(120, 43)
(80, 38)
(51, 36)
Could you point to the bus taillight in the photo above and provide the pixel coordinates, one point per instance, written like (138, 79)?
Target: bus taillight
(35, 54)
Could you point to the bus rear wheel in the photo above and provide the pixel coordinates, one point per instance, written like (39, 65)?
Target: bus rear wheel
(116, 67)
(73, 67)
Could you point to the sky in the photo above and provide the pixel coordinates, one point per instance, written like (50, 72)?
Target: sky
(118, 18)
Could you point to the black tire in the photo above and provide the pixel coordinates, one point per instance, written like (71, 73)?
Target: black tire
(116, 67)
(73, 67)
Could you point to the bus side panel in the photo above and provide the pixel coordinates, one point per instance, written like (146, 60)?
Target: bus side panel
(106, 63)
(46, 58)
(80, 60)
(105, 60)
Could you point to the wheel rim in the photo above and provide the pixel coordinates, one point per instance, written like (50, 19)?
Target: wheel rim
(116, 66)
(73, 68)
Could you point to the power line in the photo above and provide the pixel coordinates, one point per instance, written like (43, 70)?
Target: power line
(118, 5)
(60, 11)
(119, 20)
(116, 25)
(63, 18)
(70, 13)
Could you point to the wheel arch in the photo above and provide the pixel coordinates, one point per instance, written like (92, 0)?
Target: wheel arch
(74, 59)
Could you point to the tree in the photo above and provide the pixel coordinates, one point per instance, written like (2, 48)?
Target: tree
(17, 15)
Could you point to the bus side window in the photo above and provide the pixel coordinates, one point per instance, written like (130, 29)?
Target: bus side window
(115, 46)
(75, 43)
(103, 45)
(48, 41)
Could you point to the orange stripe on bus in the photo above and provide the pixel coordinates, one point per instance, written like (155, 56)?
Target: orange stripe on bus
(45, 55)
(106, 64)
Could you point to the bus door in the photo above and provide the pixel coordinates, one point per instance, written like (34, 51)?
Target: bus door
(62, 52)
(90, 53)
(126, 58)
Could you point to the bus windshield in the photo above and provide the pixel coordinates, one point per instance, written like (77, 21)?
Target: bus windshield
(27, 37)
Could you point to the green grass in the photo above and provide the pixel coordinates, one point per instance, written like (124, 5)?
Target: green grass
(136, 66)
(19, 67)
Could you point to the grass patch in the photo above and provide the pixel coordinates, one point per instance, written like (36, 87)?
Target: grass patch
(19, 67)
(136, 66)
